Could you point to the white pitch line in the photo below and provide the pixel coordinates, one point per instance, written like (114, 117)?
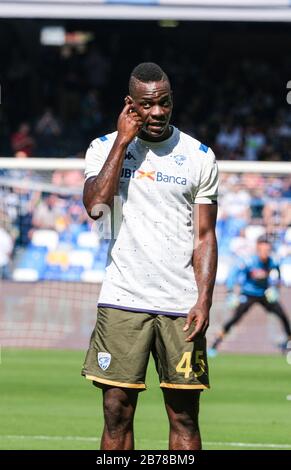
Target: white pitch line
(249, 444)
(50, 438)
(96, 439)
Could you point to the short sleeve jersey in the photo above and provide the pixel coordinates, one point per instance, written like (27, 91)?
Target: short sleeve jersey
(149, 266)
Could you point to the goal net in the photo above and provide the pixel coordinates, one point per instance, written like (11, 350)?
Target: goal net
(52, 260)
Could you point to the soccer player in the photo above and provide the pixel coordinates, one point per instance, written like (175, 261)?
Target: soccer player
(258, 277)
(158, 284)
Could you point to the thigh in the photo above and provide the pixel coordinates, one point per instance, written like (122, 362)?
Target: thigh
(180, 365)
(245, 304)
(118, 403)
(271, 307)
(277, 309)
(119, 349)
(182, 405)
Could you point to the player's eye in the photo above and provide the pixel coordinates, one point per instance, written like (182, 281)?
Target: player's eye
(146, 105)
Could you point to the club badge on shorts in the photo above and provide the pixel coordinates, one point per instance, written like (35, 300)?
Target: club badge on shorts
(104, 360)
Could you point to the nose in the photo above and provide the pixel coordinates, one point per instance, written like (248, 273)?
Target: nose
(157, 112)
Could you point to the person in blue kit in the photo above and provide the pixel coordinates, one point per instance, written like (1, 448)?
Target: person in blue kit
(258, 278)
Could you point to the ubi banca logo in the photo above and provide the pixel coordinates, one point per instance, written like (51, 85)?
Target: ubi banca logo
(158, 176)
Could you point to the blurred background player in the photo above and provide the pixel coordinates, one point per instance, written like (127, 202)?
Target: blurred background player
(259, 278)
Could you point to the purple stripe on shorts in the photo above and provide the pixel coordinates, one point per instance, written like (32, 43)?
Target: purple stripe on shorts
(131, 309)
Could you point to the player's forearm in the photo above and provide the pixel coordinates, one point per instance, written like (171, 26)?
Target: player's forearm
(101, 189)
(205, 267)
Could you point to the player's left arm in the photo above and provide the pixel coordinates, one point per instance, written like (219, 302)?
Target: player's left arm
(205, 244)
(205, 267)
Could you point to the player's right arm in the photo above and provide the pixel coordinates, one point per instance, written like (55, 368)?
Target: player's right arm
(100, 189)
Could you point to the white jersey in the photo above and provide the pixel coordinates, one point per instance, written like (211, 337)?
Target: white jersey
(149, 266)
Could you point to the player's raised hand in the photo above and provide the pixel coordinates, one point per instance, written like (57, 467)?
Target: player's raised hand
(199, 316)
(129, 123)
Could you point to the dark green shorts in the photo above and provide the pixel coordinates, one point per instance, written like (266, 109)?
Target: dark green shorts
(121, 344)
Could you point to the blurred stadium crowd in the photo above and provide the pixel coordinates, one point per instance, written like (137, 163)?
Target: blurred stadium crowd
(48, 236)
(241, 122)
(61, 98)
(229, 93)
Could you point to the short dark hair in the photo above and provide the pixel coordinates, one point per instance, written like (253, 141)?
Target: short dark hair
(264, 239)
(146, 72)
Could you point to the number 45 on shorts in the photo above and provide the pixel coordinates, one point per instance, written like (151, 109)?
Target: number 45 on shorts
(186, 367)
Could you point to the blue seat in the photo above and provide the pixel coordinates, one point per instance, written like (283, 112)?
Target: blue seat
(72, 274)
(33, 258)
(52, 273)
(99, 265)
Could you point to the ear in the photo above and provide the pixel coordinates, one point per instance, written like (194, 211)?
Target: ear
(128, 100)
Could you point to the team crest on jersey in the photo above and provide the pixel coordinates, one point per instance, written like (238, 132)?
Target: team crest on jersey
(179, 159)
(104, 360)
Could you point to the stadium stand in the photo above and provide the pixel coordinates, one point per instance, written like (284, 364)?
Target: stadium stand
(215, 81)
(227, 94)
(230, 83)
(54, 239)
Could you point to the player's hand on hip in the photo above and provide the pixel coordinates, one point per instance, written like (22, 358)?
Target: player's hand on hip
(129, 123)
(199, 315)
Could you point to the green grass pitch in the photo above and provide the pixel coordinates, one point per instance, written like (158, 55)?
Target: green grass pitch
(46, 404)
